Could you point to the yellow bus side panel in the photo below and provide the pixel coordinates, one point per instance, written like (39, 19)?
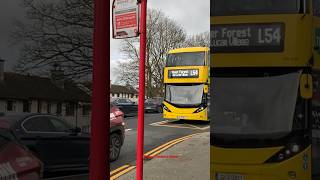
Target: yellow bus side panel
(316, 37)
(189, 49)
(270, 171)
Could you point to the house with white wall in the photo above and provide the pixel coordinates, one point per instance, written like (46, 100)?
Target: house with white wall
(48, 95)
(119, 91)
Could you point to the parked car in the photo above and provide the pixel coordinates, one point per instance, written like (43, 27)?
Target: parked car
(117, 132)
(59, 145)
(128, 107)
(154, 104)
(16, 161)
(55, 142)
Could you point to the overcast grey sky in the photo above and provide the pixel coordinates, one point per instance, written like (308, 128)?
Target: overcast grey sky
(193, 15)
(9, 11)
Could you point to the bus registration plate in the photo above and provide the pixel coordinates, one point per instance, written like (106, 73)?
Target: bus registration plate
(224, 176)
(181, 117)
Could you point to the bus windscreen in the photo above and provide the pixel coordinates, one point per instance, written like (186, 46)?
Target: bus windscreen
(254, 105)
(186, 96)
(186, 59)
(248, 7)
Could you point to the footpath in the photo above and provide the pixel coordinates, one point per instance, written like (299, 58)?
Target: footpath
(188, 160)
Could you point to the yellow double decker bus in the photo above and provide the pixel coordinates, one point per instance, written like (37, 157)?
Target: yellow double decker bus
(264, 72)
(186, 77)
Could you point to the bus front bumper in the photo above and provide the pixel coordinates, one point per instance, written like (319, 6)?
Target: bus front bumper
(202, 116)
(291, 169)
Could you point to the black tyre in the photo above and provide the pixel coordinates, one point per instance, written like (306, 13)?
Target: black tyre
(115, 146)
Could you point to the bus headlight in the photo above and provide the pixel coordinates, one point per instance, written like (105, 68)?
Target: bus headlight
(285, 153)
(201, 108)
(166, 108)
(295, 148)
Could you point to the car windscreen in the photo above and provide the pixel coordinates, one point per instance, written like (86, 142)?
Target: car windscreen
(247, 7)
(254, 105)
(186, 59)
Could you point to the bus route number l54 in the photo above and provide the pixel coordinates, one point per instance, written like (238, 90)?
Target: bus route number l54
(268, 35)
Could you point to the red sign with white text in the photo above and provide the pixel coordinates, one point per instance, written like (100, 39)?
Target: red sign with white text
(125, 14)
(128, 20)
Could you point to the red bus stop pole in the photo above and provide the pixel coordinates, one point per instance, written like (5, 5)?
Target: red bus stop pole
(99, 143)
(140, 135)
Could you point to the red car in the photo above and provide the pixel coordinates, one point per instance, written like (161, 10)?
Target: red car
(16, 162)
(116, 131)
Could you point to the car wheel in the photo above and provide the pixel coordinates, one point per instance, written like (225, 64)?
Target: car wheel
(159, 109)
(115, 146)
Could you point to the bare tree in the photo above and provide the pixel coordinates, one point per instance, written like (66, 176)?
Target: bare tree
(56, 32)
(163, 34)
(199, 40)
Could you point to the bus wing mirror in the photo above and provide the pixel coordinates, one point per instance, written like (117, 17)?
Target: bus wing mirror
(306, 86)
(206, 89)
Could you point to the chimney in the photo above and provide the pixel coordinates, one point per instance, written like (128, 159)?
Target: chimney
(1, 70)
(57, 77)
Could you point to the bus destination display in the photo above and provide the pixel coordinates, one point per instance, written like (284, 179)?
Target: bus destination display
(247, 38)
(184, 73)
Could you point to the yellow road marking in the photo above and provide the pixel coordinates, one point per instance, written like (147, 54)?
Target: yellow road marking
(119, 169)
(162, 123)
(168, 143)
(194, 126)
(207, 127)
(167, 147)
(126, 168)
(122, 173)
(179, 127)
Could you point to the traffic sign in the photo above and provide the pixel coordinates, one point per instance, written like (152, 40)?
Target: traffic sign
(125, 18)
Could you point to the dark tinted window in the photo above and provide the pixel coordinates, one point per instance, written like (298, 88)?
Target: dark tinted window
(39, 106)
(59, 125)
(10, 106)
(186, 59)
(59, 108)
(49, 108)
(70, 109)
(86, 110)
(245, 7)
(316, 7)
(123, 101)
(39, 124)
(26, 106)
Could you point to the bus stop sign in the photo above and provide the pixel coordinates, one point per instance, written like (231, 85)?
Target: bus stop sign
(125, 19)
